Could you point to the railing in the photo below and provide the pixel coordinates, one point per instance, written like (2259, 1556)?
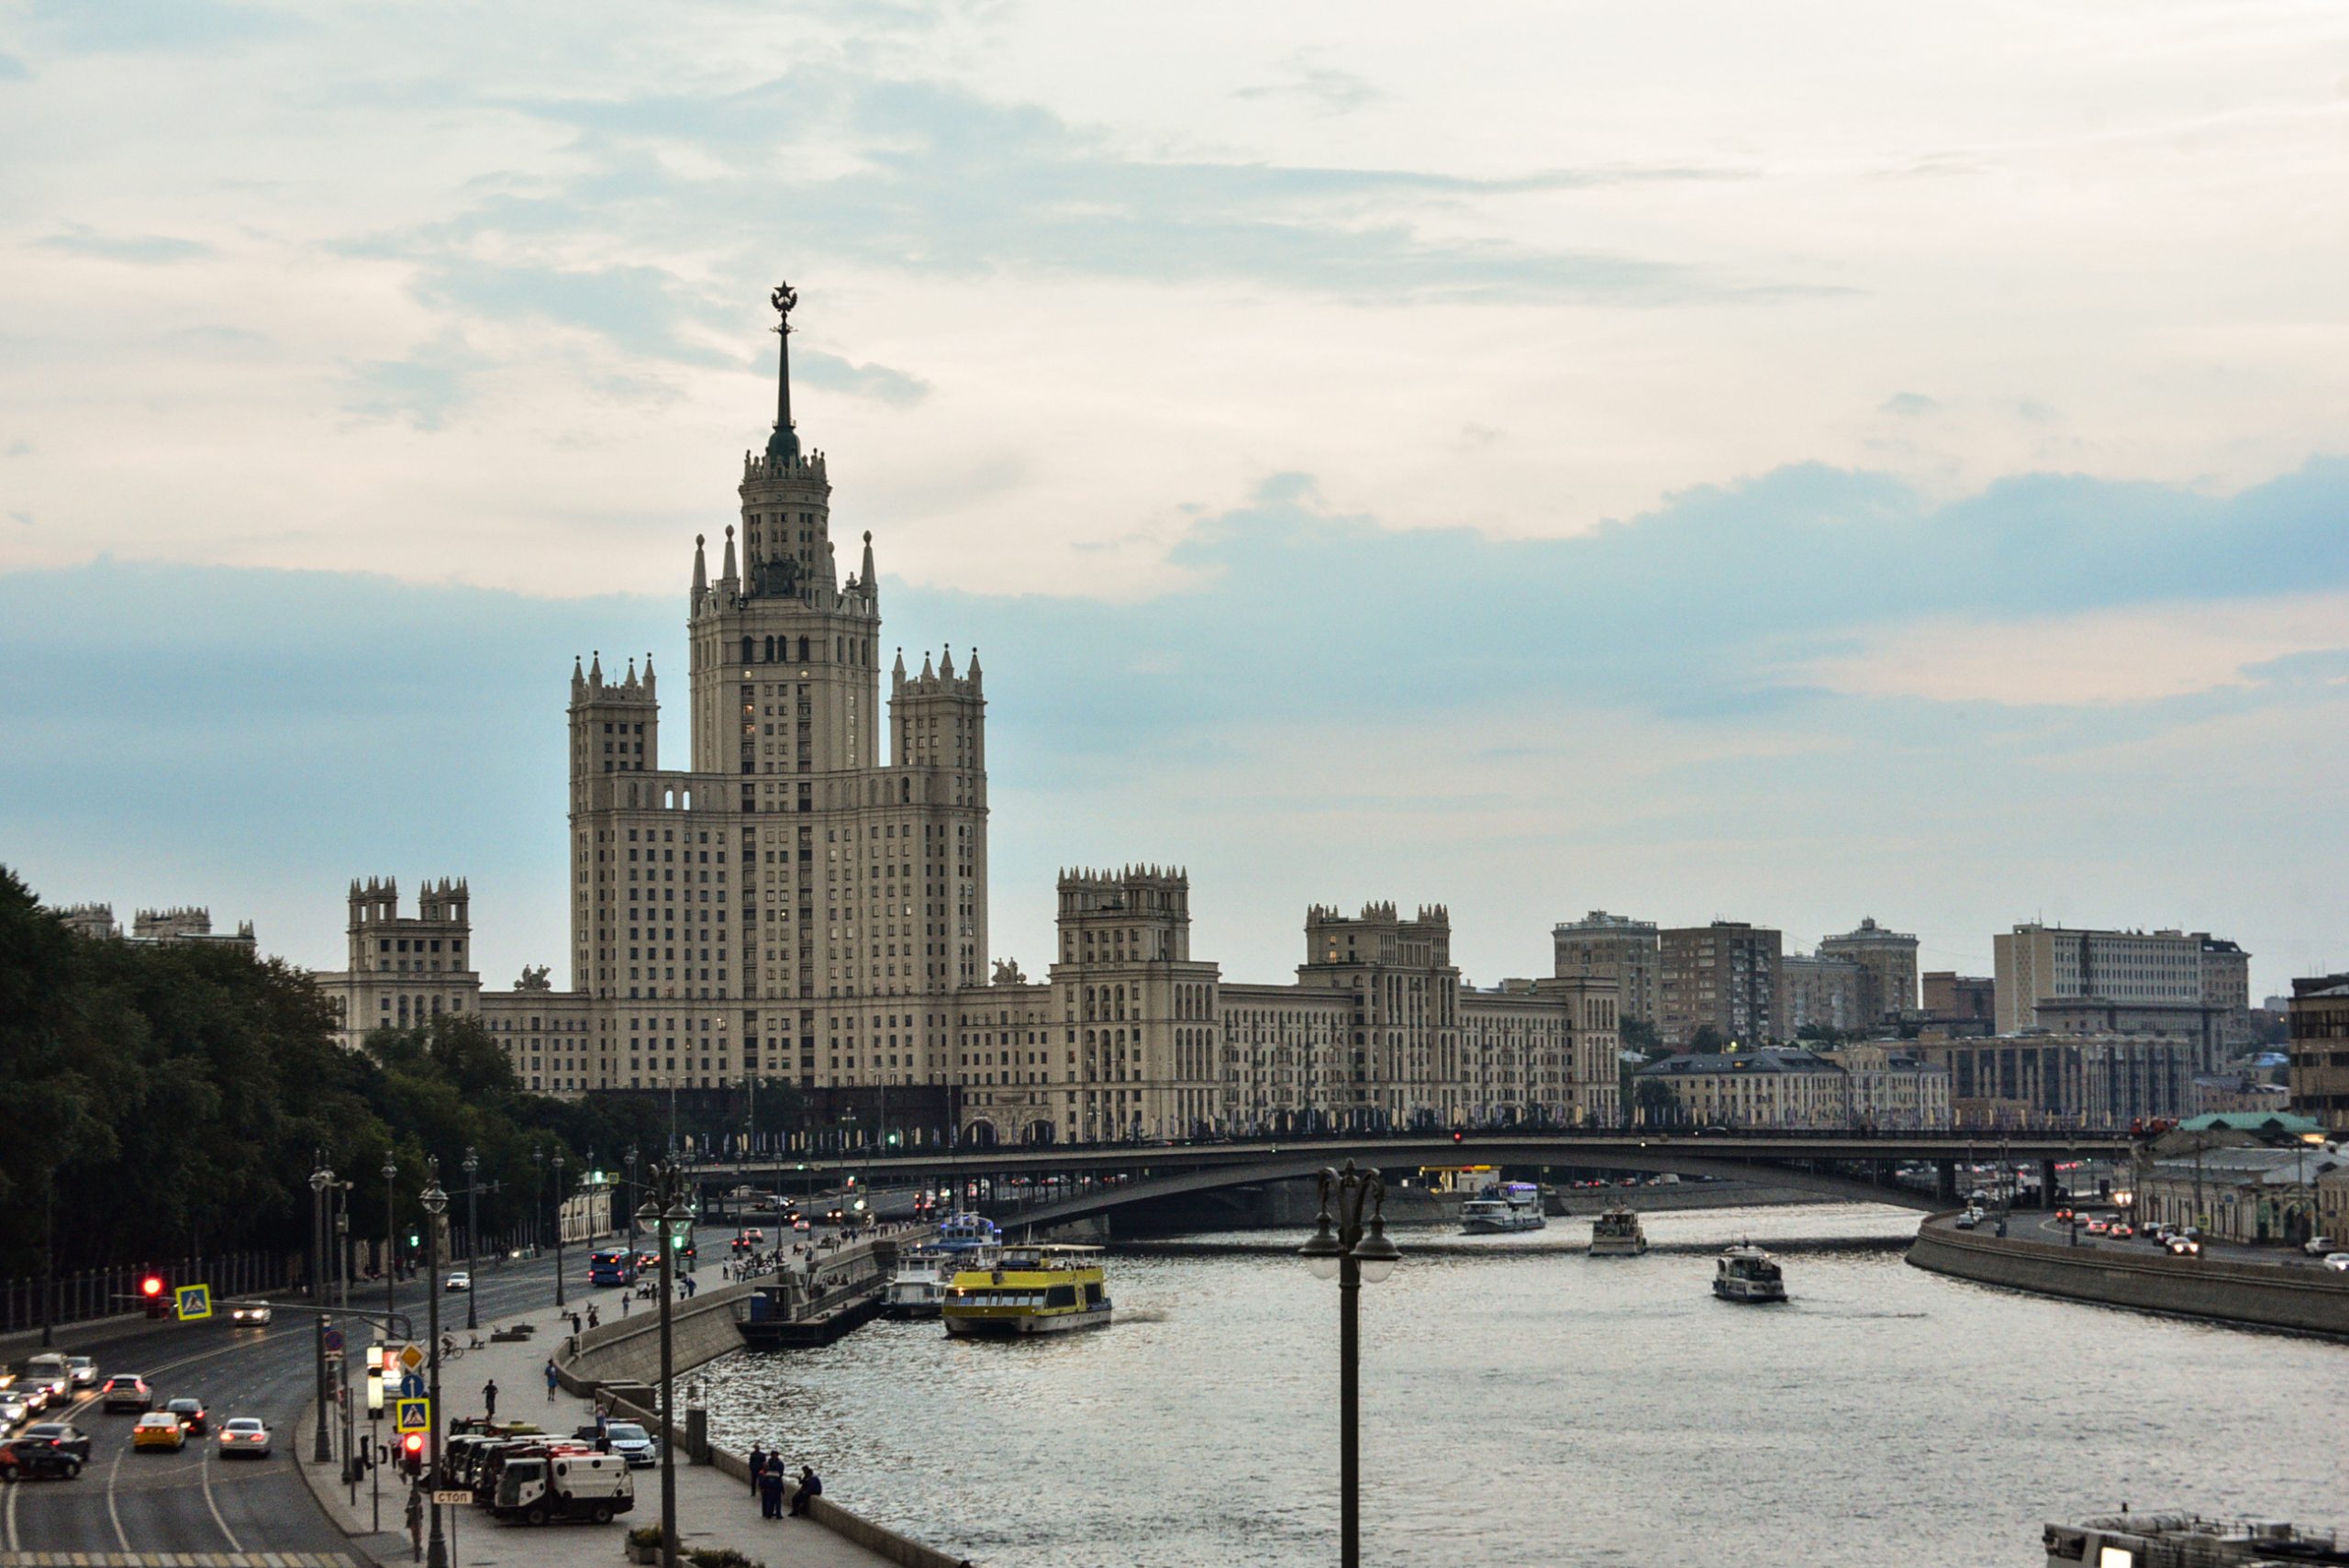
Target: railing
(83, 1295)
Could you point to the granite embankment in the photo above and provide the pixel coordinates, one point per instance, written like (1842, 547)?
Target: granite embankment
(620, 1362)
(2268, 1295)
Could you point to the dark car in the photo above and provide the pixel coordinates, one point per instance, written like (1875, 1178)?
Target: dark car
(36, 1459)
(127, 1391)
(65, 1434)
(191, 1412)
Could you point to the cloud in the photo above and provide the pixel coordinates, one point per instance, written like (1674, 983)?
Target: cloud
(144, 249)
(1907, 405)
(1324, 90)
(156, 26)
(422, 389)
(880, 382)
(14, 70)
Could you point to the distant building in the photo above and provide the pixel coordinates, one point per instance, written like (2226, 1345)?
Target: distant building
(1888, 962)
(1617, 948)
(2241, 1194)
(186, 923)
(1831, 993)
(2041, 1081)
(1890, 1088)
(2087, 980)
(2215, 1092)
(1952, 998)
(1753, 1088)
(1725, 974)
(2320, 1050)
(404, 970)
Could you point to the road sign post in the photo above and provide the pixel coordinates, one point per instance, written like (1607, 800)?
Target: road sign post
(193, 1302)
(411, 1416)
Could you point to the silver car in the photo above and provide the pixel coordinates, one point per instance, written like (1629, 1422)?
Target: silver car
(244, 1437)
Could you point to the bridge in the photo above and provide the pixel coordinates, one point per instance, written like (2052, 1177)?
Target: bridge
(1851, 1166)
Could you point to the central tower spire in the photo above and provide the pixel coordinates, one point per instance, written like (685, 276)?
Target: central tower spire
(784, 445)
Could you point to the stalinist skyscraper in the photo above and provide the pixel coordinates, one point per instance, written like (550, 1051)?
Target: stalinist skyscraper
(787, 905)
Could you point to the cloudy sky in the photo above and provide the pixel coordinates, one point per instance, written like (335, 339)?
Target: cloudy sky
(1781, 462)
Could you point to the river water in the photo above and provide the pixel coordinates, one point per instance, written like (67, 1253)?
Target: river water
(1526, 1406)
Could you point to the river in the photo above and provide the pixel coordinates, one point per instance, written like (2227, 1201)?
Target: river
(1526, 1406)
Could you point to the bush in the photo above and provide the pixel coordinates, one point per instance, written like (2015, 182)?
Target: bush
(648, 1536)
(729, 1558)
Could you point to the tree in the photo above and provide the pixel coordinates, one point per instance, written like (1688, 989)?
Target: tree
(1638, 1034)
(1656, 1104)
(1706, 1040)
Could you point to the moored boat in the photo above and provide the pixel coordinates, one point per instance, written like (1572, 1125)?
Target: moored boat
(1501, 1206)
(1029, 1290)
(1616, 1234)
(918, 1288)
(1746, 1272)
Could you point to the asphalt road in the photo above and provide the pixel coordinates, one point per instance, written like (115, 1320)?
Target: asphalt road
(131, 1505)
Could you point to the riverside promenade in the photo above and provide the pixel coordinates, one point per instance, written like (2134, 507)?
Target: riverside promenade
(715, 1507)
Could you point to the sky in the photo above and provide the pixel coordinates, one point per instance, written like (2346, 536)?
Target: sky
(1784, 463)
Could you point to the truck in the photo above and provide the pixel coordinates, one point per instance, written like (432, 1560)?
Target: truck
(563, 1486)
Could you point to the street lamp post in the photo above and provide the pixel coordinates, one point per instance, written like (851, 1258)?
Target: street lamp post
(472, 1229)
(665, 1215)
(320, 1179)
(436, 1204)
(391, 1237)
(1346, 1247)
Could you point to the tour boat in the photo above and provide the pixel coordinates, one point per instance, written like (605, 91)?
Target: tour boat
(968, 1233)
(919, 1287)
(1029, 1290)
(1503, 1205)
(1616, 1234)
(1746, 1272)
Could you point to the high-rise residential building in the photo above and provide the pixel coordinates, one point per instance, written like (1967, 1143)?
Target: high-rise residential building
(1724, 975)
(2320, 1050)
(1614, 947)
(2133, 983)
(1952, 998)
(1889, 961)
(793, 906)
(1830, 992)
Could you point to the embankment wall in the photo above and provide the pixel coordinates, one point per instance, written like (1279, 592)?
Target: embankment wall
(2268, 1295)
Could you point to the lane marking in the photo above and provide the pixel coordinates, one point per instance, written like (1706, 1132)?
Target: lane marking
(204, 1471)
(114, 1472)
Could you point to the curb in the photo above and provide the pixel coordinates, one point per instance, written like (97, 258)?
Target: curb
(321, 1480)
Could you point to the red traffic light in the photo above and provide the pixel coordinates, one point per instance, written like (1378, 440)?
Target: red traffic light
(152, 1286)
(413, 1442)
(1457, 1135)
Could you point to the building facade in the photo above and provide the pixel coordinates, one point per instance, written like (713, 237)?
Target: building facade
(1890, 1089)
(1617, 948)
(2158, 974)
(1952, 998)
(1763, 1088)
(1825, 993)
(2036, 1081)
(189, 923)
(1724, 975)
(1888, 960)
(2320, 1050)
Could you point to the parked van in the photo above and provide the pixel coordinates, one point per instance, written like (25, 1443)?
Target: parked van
(563, 1486)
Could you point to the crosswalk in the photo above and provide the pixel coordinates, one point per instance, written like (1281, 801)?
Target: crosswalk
(177, 1560)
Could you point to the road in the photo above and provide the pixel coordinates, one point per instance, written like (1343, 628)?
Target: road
(133, 1510)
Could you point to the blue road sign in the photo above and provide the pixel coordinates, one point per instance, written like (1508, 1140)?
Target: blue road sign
(412, 1416)
(411, 1385)
(334, 1342)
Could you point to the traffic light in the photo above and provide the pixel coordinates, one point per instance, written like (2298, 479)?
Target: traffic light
(1457, 1135)
(414, 1240)
(412, 1454)
(375, 1357)
(158, 1299)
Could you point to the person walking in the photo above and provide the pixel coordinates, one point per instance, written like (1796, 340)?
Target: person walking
(758, 1467)
(489, 1400)
(416, 1522)
(575, 1325)
(811, 1487)
(592, 1321)
(553, 1377)
(771, 1490)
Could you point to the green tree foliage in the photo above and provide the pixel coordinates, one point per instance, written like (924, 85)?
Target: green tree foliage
(175, 1098)
(1706, 1040)
(1638, 1034)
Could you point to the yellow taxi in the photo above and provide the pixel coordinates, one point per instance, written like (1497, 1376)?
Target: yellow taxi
(158, 1429)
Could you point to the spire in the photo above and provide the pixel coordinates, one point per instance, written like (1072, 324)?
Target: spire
(648, 675)
(925, 667)
(946, 662)
(871, 583)
(898, 673)
(784, 445)
(974, 670)
(728, 575)
(701, 571)
(629, 685)
(596, 668)
(578, 679)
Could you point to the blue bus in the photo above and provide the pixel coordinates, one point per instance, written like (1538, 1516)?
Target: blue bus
(612, 1267)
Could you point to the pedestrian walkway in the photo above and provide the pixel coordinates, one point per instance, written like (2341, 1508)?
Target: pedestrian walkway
(714, 1509)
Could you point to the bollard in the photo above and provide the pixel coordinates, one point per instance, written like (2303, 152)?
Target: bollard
(698, 1434)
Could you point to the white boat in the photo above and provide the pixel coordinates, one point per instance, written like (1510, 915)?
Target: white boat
(1746, 1272)
(918, 1288)
(965, 1234)
(1503, 1205)
(1616, 1234)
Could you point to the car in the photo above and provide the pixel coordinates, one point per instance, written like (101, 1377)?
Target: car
(64, 1434)
(461, 1280)
(127, 1391)
(2337, 1261)
(244, 1437)
(800, 1223)
(86, 1371)
(2122, 1228)
(15, 1409)
(2063, 1214)
(158, 1429)
(32, 1391)
(754, 1235)
(1967, 1220)
(634, 1443)
(2318, 1246)
(35, 1459)
(2185, 1247)
(54, 1373)
(2097, 1227)
(191, 1414)
(248, 1312)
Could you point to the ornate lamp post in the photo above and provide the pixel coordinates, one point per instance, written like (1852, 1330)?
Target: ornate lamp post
(669, 1221)
(471, 1168)
(436, 1204)
(391, 1238)
(1345, 1248)
(320, 1180)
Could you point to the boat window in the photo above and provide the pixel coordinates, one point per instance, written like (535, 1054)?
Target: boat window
(1061, 1295)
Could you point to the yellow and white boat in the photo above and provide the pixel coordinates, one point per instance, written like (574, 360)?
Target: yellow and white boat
(1029, 1290)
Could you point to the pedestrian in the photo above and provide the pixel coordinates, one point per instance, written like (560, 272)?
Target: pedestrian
(592, 1321)
(758, 1467)
(489, 1400)
(416, 1522)
(553, 1377)
(770, 1491)
(810, 1487)
(624, 1301)
(575, 1325)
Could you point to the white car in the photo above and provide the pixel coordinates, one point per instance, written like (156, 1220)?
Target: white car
(461, 1280)
(248, 1312)
(2318, 1246)
(86, 1371)
(2337, 1261)
(244, 1437)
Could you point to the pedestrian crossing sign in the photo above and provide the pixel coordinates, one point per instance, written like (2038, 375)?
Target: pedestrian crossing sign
(411, 1414)
(194, 1301)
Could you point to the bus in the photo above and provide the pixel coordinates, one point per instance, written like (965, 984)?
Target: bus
(617, 1266)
